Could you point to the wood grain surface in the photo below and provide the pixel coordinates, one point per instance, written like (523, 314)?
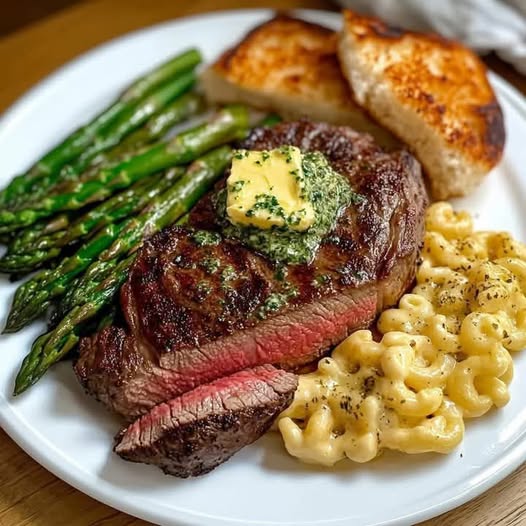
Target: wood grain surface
(30, 495)
(16, 15)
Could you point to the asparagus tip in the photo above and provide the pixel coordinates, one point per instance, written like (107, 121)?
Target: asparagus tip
(10, 327)
(31, 369)
(15, 321)
(22, 381)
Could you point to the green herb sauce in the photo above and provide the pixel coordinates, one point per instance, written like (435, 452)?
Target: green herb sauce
(203, 289)
(211, 265)
(275, 301)
(229, 273)
(204, 238)
(328, 191)
(320, 280)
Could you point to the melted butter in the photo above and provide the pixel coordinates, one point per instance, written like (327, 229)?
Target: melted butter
(328, 193)
(267, 189)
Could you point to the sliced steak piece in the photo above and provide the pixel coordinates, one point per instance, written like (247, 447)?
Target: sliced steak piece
(194, 433)
(196, 312)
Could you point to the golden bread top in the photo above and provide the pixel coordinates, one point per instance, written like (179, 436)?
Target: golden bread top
(442, 81)
(289, 56)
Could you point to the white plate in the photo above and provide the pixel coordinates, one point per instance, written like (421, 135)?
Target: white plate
(71, 435)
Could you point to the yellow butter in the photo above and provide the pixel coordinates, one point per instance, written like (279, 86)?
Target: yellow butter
(266, 189)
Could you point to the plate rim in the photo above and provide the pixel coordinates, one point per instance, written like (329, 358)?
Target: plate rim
(509, 461)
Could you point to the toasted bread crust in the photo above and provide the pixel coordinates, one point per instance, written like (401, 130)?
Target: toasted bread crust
(291, 55)
(441, 82)
(290, 66)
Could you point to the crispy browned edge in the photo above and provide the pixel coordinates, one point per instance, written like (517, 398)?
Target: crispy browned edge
(279, 17)
(231, 63)
(483, 144)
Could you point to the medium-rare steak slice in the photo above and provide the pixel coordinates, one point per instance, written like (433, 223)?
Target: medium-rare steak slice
(192, 434)
(199, 307)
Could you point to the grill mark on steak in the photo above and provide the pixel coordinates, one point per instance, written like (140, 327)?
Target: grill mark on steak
(192, 434)
(177, 339)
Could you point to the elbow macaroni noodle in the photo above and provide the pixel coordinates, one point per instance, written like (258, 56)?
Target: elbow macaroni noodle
(444, 355)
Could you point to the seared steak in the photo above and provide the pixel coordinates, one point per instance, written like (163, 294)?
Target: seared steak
(194, 433)
(197, 312)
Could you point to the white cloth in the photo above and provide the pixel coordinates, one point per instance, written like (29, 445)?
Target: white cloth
(483, 25)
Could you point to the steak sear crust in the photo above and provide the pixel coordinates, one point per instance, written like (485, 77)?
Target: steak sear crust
(194, 433)
(188, 326)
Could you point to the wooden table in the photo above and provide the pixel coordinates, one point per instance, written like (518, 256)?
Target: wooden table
(28, 493)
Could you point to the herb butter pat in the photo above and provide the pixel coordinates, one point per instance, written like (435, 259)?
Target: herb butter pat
(266, 189)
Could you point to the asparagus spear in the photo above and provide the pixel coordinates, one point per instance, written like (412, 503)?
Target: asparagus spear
(110, 137)
(117, 239)
(61, 233)
(228, 124)
(21, 264)
(129, 121)
(34, 297)
(171, 68)
(43, 250)
(157, 126)
(121, 205)
(77, 142)
(31, 248)
(42, 243)
(51, 347)
(26, 240)
(115, 209)
(183, 220)
(83, 287)
(180, 109)
(167, 208)
(16, 248)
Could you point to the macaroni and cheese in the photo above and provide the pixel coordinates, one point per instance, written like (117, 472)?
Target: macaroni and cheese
(444, 355)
